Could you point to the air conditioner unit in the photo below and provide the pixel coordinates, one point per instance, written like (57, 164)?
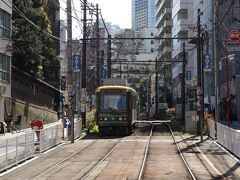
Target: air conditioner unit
(2, 89)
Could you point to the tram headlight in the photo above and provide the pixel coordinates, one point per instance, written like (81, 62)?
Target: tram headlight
(120, 119)
(101, 118)
(105, 119)
(125, 118)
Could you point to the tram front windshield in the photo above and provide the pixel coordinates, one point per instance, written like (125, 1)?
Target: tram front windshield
(113, 102)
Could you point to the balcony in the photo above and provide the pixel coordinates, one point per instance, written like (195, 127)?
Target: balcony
(166, 50)
(163, 24)
(162, 12)
(166, 15)
(181, 25)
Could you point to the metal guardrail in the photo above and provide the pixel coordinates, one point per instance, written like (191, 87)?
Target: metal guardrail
(50, 137)
(77, 128)
(20, 147)
(211, 126)
(229, 138)
(16, 149)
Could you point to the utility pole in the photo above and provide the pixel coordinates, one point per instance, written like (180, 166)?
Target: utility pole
(84, 49)
(156, 89)
(215, 57)
(109, 57)
(120, 70)
(227, 82)
(199, 88)
(71, 90)
(98, 58)
(102, 70)
(183, 83)
(165, 86)
(202, 84)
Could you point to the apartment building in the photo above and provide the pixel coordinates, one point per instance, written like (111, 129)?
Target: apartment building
(164, 46)
(133, 72)
(182, 11)
(143, 14)
(5, 53)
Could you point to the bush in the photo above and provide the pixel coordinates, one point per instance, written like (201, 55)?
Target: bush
(91, 122)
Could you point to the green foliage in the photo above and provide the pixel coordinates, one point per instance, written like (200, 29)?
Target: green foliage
(91, 122)
(142, 91)
(31, 51)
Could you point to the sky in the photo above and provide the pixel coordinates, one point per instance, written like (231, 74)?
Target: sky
(115, 11)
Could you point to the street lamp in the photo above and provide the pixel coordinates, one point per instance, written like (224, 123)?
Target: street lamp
(228, 57)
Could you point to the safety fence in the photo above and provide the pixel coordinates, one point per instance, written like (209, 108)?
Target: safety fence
(227, 137)
(77, 128)
(49, 137)
(211, 128)
(16, 149)
(22, 146)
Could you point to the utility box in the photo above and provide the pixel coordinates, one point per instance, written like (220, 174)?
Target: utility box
(191, 119)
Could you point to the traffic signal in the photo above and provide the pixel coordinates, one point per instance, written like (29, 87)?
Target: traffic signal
(152, 101)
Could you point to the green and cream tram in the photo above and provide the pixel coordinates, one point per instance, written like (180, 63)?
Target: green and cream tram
(116, 109)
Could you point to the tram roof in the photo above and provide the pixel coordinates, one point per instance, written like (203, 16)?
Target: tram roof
(128, 89)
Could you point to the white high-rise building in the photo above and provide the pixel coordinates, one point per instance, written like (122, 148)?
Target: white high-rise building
(143, 14)
(182, 11)
(164, 25)
(148, 45)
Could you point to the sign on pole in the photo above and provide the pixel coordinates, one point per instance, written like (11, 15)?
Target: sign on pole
(234, 36)
(207, 62)
(76, 63)
(188, 75)
(234, 40)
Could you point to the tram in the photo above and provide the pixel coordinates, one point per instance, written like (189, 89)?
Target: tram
(116, 109)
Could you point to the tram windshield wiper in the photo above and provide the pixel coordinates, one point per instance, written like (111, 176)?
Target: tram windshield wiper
(110, 108)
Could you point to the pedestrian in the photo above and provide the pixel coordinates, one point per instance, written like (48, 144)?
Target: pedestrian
(36, 125)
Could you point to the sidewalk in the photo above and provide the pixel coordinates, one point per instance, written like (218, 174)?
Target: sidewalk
(208, 158)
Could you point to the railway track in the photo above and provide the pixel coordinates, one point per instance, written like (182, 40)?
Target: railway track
(150, 153)
(142, 170)
(56, 167)
(88, 173)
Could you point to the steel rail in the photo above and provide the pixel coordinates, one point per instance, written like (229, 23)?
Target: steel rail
(181, 154)
(99, 162)
(140, 175)
(47, 169)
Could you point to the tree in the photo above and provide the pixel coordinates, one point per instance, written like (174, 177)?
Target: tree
(143, 93)
(31, 51)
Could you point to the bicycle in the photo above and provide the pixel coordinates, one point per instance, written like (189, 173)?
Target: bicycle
(13, 124)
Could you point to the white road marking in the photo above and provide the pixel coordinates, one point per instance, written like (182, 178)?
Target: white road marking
(208, 161)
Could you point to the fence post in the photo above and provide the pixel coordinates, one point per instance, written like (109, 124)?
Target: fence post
(6, 154)
(25, 150)
(40, 141)
(16, 149)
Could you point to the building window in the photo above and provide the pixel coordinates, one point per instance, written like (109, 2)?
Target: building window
(183, 14)
(5, 22)
(4, 67)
